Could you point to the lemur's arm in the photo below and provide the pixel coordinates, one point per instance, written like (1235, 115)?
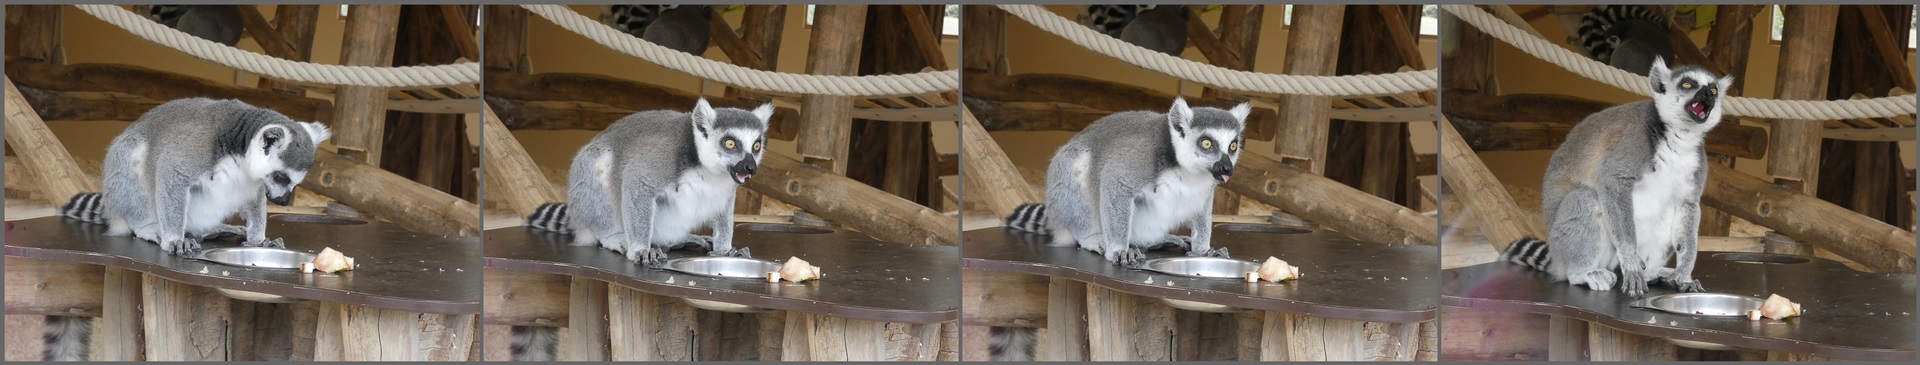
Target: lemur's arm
(170, 211)
(1200, 240)
(1616, 199)
(637, 203)
(722, 225)
(256, 217)
(1116, 222)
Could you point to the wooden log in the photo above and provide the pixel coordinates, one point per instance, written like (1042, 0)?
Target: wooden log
(925, 34)
(1074, 89)
(460, 31)
(121, 325)
(87, 105)
(295, 24)
(845, 201)
(184, 322)
(360, 112)
(1729, 42)
(648, 327)
(1885, 47)
(1126, 327)
(1215, 50)
(1518, 122)
(1806, 52)
(1875, 244)
(40, 33)
(1500, 219)
(1065, 338)
(736, 49)
(391, 197)
(525, 299)
(1240, 33)
(998, 116)
(54, 171)
(1003, 299)
(506, 40)
(826, 126)
(985, 50)
(157, 85)
(1313, 46)
(1328, 202)
(603, 90)
(52, 288)
(271, 41)
(587, 338)
(509, 168)
(990, 174)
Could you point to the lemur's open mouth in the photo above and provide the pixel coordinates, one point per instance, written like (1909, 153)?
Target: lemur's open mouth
(1698, 108)
(739, 178)
(1222, 177)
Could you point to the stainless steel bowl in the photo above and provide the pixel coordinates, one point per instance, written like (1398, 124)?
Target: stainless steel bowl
(1701, 304)
(1201, 267)
(724, 267)
(261, 257)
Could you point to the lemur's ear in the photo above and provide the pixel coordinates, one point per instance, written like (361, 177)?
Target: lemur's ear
(1657, 76)
(1723, 83)
(764, 112)
(1241, 111)
(703, 116)
(272, 137)
(316, 131)
(1180, 117)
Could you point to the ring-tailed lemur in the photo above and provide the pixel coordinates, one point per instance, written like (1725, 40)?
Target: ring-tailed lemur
(1162, 28)
(1125, 183)
(1623, 192)
(176, 174)
(680, 27)
(218, 23)
(1629, 37)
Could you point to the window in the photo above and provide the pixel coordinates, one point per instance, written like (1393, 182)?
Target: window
(949, 24)
(1429, 19)
(1780, 22)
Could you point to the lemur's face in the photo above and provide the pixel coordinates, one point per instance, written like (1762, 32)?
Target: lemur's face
(1688, 93)
(1208, 138)
(281, 154)
(731, 139)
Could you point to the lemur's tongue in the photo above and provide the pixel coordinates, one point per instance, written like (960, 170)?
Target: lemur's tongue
(739, 178)
(1223, 177)
(1699, 110)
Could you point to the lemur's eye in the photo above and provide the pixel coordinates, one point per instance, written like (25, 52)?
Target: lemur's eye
(1233, 146)
(730, 144)
(756, 146)
(1206, 143)
(1686, 85)
(1711, 92)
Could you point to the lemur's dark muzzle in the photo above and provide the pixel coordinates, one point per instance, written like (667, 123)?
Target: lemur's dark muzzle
(743, 170)
(1222, 170)
(282, 200)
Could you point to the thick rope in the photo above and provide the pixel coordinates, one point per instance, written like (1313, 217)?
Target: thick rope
(1739, 106)
(855, 86)
(1225, 78)
(268, 66)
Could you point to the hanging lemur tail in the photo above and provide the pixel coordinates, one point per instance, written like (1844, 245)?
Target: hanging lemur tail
(85, 207)
(1028, 217)
(551, 217)
(1527, 251)
(533, 343)
(67, 338)
(1011, 344)
(1594, 25)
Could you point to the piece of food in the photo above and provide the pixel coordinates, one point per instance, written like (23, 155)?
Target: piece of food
(305, 268)
(1776, 307)
(1274, 270)
(773, 276)
(797, 270)
(331, 261)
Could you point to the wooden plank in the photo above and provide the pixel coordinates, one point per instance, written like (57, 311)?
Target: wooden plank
(184, 322)
(1125, 327)
(1806, 53)
(1065, 338)
(506, 39)
(836, 338)
(512, 172)
(1003, 299)
(648, 327)
(1328, 202)
(846, 201)
(825, 126)
(360, 112)
(985, 33)
(329, 326)
(40, 33)
(587, 338)
(25, 341)
(1313, 45)
(53, 288)
(525, 299)
(1500, 219)
(54, 171)
(1610, 344)
(1867, 241)
(992, 177)
(120, 331)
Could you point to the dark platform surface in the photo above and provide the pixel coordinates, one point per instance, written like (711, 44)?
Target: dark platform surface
(399, 269)
(1340, 277)
(863, 278)
(1848, 314)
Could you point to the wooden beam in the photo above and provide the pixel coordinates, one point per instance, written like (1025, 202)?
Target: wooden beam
(732, 45)
(985, 33)
(360, 112)
(525, 91)
(989, 173)
(86, 105)
(1240, 31)
(1500, 219)
(506, 40)
(1217, 51)
(1891, 54)
(1518, 122)
(845, 201)
(54, 171)
(295, 24)
(825, 127)
(271, 41)
(926, 38)
(40, 33)
(460, 31)
(1074, 89)
(1318, 199)
(53, 288)
(391, 197)
(157, 85)
(1875, 244)
(1313, 46)
(1729, 42)
(516, 179)
(1806, 53)
(1406, 40)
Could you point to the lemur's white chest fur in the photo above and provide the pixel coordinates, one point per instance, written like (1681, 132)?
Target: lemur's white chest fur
(1660, 197)
(221, 193)
(698, 196)
(1173, 198)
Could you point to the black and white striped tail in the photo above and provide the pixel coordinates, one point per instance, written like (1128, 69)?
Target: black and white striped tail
(1028, 217)
(85, 207)
(1594, 25)
(1528, 251)
(67, 338)
(533, 343)
(1011, 344)
(550, 217)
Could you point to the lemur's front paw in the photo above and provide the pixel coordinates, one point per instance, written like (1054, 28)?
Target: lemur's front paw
(1212, 252)
(1128, 257)
(1688, 285)
(1633, 283)
(731, 252)
(705, 242)
(1183, 242)
(648, 256)
(263, 242)
(183, 246)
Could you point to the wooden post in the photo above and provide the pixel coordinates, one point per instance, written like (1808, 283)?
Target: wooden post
(183, 322)
(1500, 219)
(842, 200)
(54, 171)
(826, 122)
(1126, 327)
(40, 29)
(1324, 201)
(295, 23)
(988, 172)
(1313, 45)
(392, 197)
(361, 111)
(1728, 44)
(120, 318)
(648, 327)
(506, 38)
(586, 322)
(1065, 338)
(516, 179)
(1566, 339)
(761, 28)
(1806, 52)
(1610, 344)
(986, 34)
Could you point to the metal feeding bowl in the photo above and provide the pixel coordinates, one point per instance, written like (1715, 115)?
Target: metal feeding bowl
(724, 268)
(1204, 268)
(1704, 305)
(260, 257)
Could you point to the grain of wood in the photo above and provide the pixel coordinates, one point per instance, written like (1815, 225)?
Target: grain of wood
(1003, 299)
(834, 49)
(58, 177)
(1065, 335)
(53, 288)
(525, 299)
(1610, 344)
(183, 322)
(1313, 46)
(586, 322)
(120, 327)
(1331, 203)
(360, 113)
(648, 327)
(1806, 53)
